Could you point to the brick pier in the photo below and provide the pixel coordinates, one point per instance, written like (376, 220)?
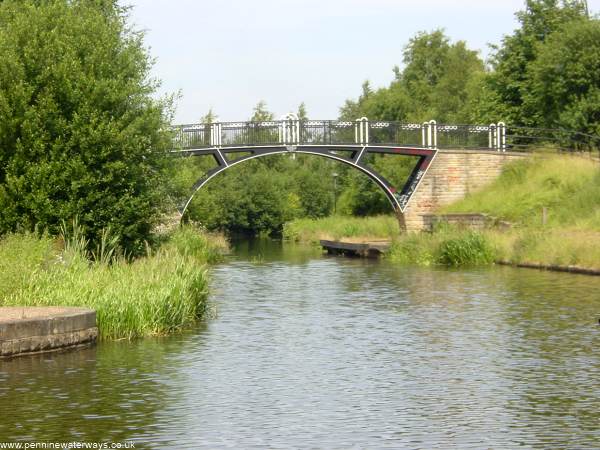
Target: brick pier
(452, 175)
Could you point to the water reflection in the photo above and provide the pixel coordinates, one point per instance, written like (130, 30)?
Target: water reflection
(310, 351)
(111, 392)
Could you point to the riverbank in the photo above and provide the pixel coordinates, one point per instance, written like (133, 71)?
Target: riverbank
(163, 292)
(552, 203)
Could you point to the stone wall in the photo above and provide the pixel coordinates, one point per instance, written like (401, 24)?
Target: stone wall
(452, 175)
(30, 330)
(472, 221)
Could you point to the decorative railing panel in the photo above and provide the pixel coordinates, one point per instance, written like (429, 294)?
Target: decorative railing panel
(292, 132)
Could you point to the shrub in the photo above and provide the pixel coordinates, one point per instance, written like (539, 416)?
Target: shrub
(157, 294)
(81, 133)
(471, 248)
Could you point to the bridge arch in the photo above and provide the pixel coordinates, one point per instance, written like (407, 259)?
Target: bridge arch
(397, 198)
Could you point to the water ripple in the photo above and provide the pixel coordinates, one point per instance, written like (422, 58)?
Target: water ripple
(334, 353)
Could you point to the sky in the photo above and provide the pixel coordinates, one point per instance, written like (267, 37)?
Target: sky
(227, 55)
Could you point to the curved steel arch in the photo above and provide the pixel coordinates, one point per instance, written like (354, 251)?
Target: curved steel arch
(398, 199)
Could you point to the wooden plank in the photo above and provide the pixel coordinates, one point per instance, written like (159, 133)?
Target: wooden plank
(364, 249)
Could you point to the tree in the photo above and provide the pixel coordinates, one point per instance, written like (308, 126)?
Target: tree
(509, 81)
(425, 59)
(261, 113)
(435, 83)
(209, 117)
(451, 95)
(80, 133)
(302, 114)
(565, 78)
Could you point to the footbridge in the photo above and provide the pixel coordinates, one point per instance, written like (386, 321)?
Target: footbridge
(350, 142)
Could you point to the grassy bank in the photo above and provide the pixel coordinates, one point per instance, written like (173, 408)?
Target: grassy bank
(157, 294)
(448, 245)
(338, 227)
(567, 187)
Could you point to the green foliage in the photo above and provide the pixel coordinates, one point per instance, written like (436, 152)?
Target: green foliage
(448, 245)
(301, 113)
(544, 74)
(562, 246)
(261, 113)
(209, 117)
(260, 195)
(157, 294)
(107, 249)
(564, 79)
(20, 255)
(306, 230)
(436, 82)
(569, 187)
(190, 241)
(363, 198)
(247, 199)
(80, 131)
(414, 248)
(471, 248)
(509, 83)
(360, 196)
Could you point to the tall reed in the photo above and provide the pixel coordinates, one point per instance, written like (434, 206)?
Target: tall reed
(163, 292)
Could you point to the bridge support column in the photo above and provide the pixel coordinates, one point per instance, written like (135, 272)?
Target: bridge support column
(401, 221)
(453, 175)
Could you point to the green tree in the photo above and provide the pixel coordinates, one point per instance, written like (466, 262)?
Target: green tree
(436, 83)
(509, 82)
(565, 79)
(261, 113)
(79, 130)
(302, 114)
(249, 198)
(209, 117)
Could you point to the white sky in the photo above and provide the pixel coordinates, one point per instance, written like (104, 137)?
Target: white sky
(229, 54)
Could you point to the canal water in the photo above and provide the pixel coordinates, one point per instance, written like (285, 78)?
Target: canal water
(310, 351)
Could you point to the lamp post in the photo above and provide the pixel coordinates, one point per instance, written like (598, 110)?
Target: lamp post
(335, 175)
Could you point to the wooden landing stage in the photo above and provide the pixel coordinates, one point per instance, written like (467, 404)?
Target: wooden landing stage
(371, 249)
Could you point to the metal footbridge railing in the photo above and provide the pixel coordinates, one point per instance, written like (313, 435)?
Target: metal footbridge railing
(290, 131)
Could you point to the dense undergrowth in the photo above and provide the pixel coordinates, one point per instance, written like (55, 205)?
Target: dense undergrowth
(568, 187)
(160, 293)
(447, 245)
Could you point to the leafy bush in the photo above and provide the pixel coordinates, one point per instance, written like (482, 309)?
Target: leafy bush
(80, 132)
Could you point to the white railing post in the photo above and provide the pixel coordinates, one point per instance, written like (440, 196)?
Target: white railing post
(289, 129)
(432, 134)
(215, 134)
(280, 129)
(492, 136)
(501, 131)
(361, 131)
(424, 134)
